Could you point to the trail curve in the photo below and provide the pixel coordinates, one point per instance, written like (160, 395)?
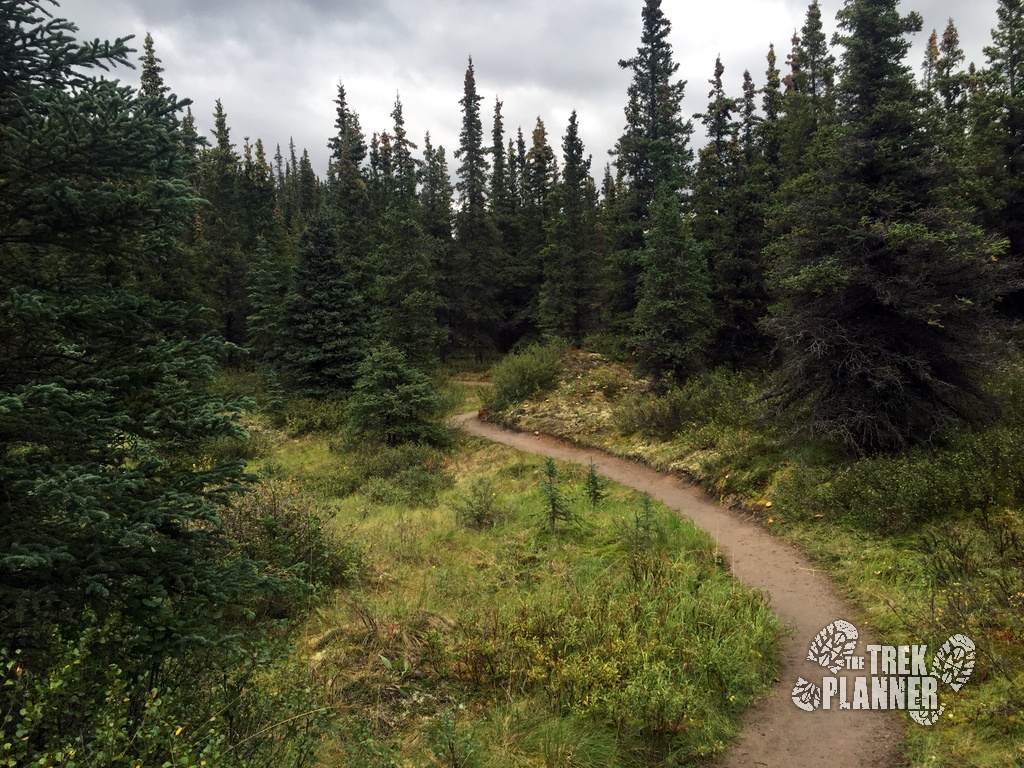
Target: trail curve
(775, 733)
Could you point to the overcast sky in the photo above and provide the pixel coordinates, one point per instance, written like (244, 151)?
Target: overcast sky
(276, 65)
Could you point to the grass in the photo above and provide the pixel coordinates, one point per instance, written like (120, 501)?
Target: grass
(481, 638)
(927, 544)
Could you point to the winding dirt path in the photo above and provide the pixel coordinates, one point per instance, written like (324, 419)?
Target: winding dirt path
(775, 732)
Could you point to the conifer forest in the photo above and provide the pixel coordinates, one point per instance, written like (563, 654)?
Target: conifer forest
(219, 363)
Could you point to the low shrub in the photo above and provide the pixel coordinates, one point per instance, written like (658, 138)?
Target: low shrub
(408, 473)
(521, 375)
(614, 346)
(478, 506)
(298, 416)
(975, 475)
(280, 527)
(81, 707)
(668, 662)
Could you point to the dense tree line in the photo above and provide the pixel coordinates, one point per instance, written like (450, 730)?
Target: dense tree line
(842, 199)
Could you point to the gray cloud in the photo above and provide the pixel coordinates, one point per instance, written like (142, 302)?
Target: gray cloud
(276, 65)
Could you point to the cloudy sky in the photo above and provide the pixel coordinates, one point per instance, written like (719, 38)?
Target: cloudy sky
(276, 64)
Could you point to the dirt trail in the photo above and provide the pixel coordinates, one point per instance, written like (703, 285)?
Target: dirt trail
(775, 732)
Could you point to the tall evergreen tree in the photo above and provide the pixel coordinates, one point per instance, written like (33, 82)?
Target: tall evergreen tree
(674, 319)
(571, 260)
(1001, 121)
(403, 296)
(809, 102)
(653, 152)
(729, 202)
(151, 81)
(436, 217)
(405, 167)
(472, 171)
(467, 282)
(221, 233)
(324, 323)
(884, 283)
(105, 518)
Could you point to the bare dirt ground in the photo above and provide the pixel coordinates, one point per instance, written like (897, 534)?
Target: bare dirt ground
(775, 732)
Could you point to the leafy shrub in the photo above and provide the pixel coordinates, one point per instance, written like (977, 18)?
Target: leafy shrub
(450, 745)
(79, 707)
(633, 653)
(306, 416)
(409, 473)
(982, 472)
(976, 582)
(611, 380)
(280, 527)
(719, 398)
(646, 414)
(617, 347)
(521, 375)
(478, 506)
(258, 445)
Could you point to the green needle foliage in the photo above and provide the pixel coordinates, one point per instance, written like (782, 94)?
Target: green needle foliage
(674, 320)
(104, 514)
(593, 486)
(885, 285)
(393, 401)
(556, 505)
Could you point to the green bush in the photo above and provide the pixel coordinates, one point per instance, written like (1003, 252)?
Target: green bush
(667, 659)
(478, 506)
(409, 473)
(974, 475)
(617, 347)
(646, 414)
(278, 526)
(521, 375)
(77, 706)
(298, 416)
(720, 398)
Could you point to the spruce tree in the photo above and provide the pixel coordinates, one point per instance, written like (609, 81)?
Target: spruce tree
(1000, 117)
(394, 402)
(220, 235)
(654, 149)
(674, 320)
(653, 152)
(809, 101)
(151, 82)
(571, 259)
(403, 293)
(436, 196)
(324, 324)
(468, 279)
(435, 212)
(884, 283)
(106, 517)
(731, 195)
(405, 167)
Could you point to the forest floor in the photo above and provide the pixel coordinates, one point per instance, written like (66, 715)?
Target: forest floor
(775, 732)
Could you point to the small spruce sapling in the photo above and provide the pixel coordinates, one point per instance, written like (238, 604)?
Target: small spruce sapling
(593, 486)
(556, 506)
